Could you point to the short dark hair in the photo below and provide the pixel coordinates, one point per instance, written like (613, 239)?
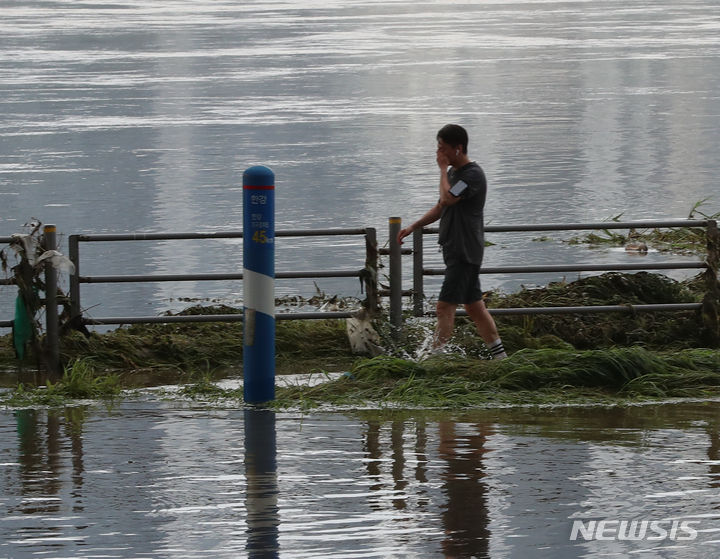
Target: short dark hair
(454, 135)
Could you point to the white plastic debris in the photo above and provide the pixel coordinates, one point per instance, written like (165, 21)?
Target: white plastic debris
(24, 243)
(363, 337)
(59, 261)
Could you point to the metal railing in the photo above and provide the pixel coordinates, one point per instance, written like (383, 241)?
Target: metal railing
(419, 271)
(367, 275)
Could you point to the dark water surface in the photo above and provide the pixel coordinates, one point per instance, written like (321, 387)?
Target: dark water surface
(126, 115)
(169, 480)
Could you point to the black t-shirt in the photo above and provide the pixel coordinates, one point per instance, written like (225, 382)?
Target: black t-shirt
(462, 224)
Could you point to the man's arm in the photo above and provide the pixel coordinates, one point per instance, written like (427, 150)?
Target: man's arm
(448, 195)
(430, 216)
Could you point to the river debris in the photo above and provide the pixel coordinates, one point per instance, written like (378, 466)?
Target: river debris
(656, 330)
(680, 240)
(607, 357)
(528, 377)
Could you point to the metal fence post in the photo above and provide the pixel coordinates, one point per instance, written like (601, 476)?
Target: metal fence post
(74, 255)
(371, 270)
(395, 275)
(418, 287)
(52, 339)
(711, 301)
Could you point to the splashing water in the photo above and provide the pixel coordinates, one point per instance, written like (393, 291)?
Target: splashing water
(425, 349)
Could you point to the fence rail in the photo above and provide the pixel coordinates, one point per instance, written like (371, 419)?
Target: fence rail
(419, 271)
(596, 225)
(238, 317)
(368, 274)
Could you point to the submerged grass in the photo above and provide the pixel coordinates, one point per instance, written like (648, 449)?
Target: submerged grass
(527, 377)
(591, 358)
(530, 376)
(151, 353)
(81, 380)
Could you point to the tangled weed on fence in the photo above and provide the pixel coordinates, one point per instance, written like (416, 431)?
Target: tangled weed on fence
(683, 240)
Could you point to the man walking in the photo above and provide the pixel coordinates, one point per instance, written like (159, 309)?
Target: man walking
(463, 189)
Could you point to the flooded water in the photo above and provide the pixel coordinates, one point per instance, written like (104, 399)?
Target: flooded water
(123, 116)
(167, 480)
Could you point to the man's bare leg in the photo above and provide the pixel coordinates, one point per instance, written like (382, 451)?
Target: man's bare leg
(483, 321)
(486, 328)
(445, 324)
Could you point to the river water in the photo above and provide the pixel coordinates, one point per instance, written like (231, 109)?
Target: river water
(127, 116)
(133, 116)
(167, 480)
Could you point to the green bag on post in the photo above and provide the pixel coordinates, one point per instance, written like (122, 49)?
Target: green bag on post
(21, 327)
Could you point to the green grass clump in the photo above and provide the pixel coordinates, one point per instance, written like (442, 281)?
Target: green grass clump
(188, 346)
(171, 350)
(310, 345)
(204, 388)
(656, 330)
(80, 381)
(530, 376)
(570, 358)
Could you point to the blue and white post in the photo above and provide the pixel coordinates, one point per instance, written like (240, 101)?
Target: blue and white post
(258, 285)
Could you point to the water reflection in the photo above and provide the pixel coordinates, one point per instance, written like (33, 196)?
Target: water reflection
(261, 499)
(159, 481)
(41, 455)
(713, 453)
(460, 473)
(466, 514)
(44, 441)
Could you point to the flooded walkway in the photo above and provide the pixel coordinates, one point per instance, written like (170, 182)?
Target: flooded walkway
(170, 480)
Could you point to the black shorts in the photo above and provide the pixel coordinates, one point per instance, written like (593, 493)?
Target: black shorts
(461, 285)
